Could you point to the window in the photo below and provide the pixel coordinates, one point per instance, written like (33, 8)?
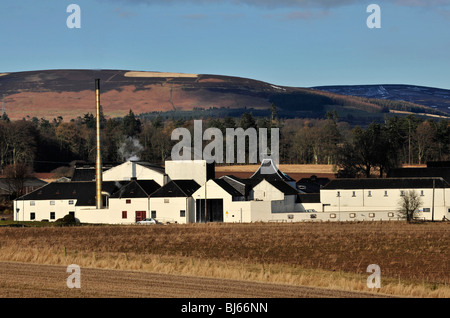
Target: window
(124, 214)
(52, 202)
(391, 214)
(52, 215)
(128, 201)
(338, 194)
(332, 215)
(426, 210)
(369, 193)
(421, 193)
(166, 200)
(371, 215)
(182, 213)
(153, 214)
(32, 216)
(72, 213)
(402, 193)
(354, 194)
(32, 203)
(70, 202)
(353, 215)
(385, 193)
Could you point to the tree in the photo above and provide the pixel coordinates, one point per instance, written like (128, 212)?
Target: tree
(131, 125)
(409, 204)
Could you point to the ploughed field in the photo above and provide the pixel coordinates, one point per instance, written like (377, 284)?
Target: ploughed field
(413, 258)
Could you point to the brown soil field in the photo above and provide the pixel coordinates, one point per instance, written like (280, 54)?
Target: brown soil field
(295, 171)
(22, 280)
(414, 258)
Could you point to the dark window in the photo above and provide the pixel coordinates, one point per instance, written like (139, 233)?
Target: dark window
(182, 213)
(153, 214)
(32, 216)
(128, 201)
(52, 215)
(124, 214)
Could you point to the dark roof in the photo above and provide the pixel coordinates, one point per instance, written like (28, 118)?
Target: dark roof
(136, 189)
(386, 183)
(176, 188)
(442, 164)
(151, 166)
(84, 192)
(308, 198)
(428, 172)
(243, 186)
(83, 174)
(228, 188)
(282, 186)
(312, 184)
(86, 171)
(272, 172)
(28, 182)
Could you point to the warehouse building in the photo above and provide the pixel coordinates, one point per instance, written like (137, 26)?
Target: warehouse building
(188, 192)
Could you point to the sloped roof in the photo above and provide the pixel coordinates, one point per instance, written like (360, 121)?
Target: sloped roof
(442, 172)
(271, 172)
(386, 183)
(228, 188)
(242, 185)
(137, 189)
(84, 192)
(176, 188)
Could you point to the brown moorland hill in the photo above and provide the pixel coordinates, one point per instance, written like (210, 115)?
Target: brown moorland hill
(70, 93)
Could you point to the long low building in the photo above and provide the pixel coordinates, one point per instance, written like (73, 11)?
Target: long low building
(188, 192)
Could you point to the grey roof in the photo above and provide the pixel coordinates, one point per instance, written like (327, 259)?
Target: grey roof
(273, 173)
(243, 186)
(228, 188)
(386, 183)
(28, 182)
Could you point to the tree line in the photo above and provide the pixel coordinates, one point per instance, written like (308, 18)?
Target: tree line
(44, 145)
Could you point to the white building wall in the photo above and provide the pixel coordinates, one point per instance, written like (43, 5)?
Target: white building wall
(117, 206)
(385, 200)
(264, 191)
(187, 170)
(43, 209)
(129, 169)
(168, 210)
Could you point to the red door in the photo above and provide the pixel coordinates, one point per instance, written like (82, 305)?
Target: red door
(140, 215)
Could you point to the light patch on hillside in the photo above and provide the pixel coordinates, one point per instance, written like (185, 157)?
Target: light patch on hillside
(158, 74)
(3, 74)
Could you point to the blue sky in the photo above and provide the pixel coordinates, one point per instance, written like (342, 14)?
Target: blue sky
(285, 42)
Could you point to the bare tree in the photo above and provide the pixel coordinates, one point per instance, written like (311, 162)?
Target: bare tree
(409, 204)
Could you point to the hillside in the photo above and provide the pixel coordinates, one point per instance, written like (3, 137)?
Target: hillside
(70, 93)
(435, 98)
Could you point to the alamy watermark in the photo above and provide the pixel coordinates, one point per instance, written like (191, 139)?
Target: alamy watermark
(374, 280)
(74, 279)
(74, 19)
(374, 19)
(214, 150)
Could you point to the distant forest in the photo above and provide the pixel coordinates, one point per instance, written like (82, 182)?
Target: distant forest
(43, 145)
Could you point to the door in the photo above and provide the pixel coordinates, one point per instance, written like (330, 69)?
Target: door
(140, 215)
(214, 210)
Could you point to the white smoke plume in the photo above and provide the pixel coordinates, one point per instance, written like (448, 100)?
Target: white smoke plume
(130, 149)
